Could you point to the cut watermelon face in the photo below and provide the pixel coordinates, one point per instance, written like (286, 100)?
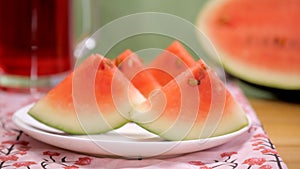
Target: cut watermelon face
(95, 98)
(258, 42)
(101, 95)
(189, 109)
(134, 69)
(170, 63)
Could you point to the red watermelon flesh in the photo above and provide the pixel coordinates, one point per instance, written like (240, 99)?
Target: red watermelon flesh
(257, 41)
(95, 98)
(170, 63)
(194, 105)
(134, 69)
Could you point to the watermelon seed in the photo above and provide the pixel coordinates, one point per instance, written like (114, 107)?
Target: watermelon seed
(101, 65)
(118, 62)
(224, 20)
(108, 63)
(193, 82)
(279, 41)
(203, 66)
(105, 63)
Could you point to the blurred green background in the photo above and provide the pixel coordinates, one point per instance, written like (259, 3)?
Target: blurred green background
(104, 11)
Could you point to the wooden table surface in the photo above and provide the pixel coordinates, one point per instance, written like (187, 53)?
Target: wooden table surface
(281, 121)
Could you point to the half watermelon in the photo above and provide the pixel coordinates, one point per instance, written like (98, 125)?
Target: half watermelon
(258, 42)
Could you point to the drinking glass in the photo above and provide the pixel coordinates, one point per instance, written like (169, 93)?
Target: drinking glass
(36, 42)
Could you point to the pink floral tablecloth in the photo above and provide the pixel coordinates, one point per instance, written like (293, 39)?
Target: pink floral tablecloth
(253, 149)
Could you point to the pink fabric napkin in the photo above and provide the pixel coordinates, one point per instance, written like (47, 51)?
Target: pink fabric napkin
(252, 149)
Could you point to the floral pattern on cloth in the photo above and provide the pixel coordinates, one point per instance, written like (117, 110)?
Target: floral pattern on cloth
(253, 149)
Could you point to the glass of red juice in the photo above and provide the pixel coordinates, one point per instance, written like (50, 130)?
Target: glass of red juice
(35, 43)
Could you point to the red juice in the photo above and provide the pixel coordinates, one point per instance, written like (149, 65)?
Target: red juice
(35, 37)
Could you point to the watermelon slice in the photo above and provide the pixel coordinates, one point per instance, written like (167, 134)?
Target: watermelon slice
(258, 42)
(99, 96)
(134, 69)
(170, 63)
(95, 98)
(194, 105)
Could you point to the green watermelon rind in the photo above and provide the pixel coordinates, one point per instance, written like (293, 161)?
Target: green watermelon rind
(186, 139)
(267, 78)
(75, 132)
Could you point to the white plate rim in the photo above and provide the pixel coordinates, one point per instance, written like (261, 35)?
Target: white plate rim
(126, 149)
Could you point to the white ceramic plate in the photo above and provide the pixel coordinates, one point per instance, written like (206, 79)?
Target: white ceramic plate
(129, 141)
